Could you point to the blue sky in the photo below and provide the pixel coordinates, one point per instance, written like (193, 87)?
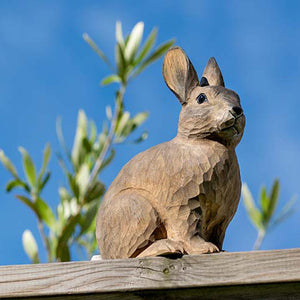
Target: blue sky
(47, 70)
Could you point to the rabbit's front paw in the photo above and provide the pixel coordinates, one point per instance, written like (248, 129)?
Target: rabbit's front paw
(208, 247)
(164, 247)
(202, 247)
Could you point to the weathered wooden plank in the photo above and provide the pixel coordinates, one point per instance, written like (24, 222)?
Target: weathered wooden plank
(281, 291)
(146, 274)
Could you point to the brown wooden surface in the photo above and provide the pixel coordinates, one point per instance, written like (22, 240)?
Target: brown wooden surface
(244, 275)
(282, 291)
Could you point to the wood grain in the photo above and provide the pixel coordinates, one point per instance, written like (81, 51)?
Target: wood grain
(281, 291)
(154, 274)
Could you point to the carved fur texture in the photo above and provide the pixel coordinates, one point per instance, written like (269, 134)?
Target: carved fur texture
(179, 197)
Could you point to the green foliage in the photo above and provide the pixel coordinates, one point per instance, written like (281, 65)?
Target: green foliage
(29, 167)
(131, 58)
(262, 217)
(73, 220)
(32, 187)
(8, 165)
(79, 200)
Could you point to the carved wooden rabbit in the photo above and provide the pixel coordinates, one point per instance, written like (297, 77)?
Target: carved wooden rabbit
(179, 197)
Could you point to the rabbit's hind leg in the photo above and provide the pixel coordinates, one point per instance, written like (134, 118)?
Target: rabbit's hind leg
(126, 226)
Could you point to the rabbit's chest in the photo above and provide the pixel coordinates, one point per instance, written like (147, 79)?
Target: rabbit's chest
(205, 176)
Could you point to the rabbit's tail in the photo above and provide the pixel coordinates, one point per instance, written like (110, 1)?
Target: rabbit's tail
(127, 225)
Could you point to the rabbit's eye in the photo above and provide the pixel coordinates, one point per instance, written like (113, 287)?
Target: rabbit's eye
(201, 98)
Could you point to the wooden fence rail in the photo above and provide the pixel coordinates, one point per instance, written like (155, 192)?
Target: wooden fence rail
(240, 275)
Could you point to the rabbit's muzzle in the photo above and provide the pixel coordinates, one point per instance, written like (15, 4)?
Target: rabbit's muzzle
(232, 129)
(236, 111)
(236, 120)
(239, 119)
(221, 122)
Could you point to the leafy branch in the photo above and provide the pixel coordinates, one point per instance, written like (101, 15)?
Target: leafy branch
(32, 186)
(262, 217)
(73, 220)
(131, 59)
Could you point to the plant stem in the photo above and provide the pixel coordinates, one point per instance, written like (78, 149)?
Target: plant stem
(109, 139)
(260, 237)
(41, 228)
(44, 238)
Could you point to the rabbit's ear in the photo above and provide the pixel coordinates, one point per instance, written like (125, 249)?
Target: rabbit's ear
(179, 74)
(212, 73)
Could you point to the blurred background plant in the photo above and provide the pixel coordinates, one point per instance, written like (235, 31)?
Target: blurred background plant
(72, 222)
(262, 216)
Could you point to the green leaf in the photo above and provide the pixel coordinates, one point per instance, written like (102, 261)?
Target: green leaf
(16, 183)
(134, 41)
(274, 196)
(121, 63)
(161, 50)
(252, 211)
(97, 49)
(73, 185)
(264, 201)
(67, 231)
(62, 163)
(108, 160)
(29, 203)
(78, 151)
(88, 218)
(82, 178)
(95, 191)
(122, 123)
(140, 118)
(70, 208)
(143, 137)
(86, 146)
(147, 46)
(12, 184)
(126, 40)
(30, 246)
(64, 253)
(45, 213)
(287, 210)
(93, 132)
(130, 126)
(8, 164)
(110, 79)
(119, 34)
(46, 158)
(64, 194)
(29, 168)
(108, 112)
(44, 181)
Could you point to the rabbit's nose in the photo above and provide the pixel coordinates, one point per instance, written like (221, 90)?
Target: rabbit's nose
(237, 111)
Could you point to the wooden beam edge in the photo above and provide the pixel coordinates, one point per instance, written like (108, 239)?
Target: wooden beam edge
(108, 276)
